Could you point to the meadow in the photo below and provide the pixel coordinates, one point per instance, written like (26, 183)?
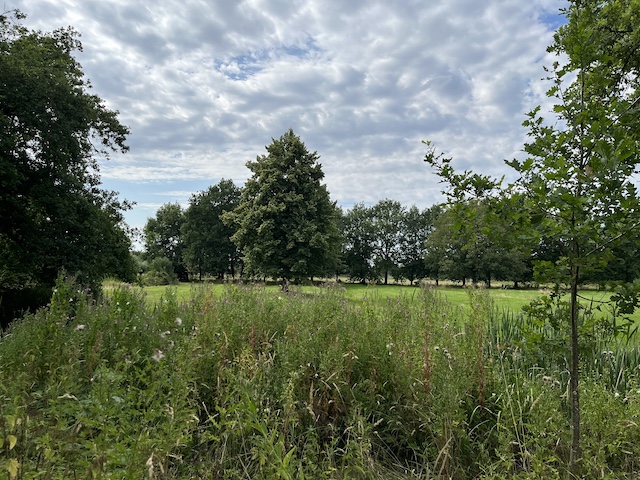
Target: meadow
(242, 381)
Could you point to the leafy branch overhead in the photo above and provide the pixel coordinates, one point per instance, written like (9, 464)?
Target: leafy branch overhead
(460, 186)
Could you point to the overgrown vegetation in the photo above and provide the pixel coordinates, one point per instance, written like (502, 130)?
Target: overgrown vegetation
(249, 383)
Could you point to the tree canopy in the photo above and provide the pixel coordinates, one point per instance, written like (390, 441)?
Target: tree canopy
(207, 240)
(163, 237)
(286, 224)
(54, 213)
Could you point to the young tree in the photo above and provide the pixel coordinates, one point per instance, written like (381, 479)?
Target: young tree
(578, 179)
(54, 213)
(286, 224)
(207, 240)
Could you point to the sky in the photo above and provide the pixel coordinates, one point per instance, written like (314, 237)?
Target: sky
(205, 85)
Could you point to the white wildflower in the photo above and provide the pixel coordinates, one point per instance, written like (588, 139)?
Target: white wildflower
(157, 355)
(178, 321)
(80, 327)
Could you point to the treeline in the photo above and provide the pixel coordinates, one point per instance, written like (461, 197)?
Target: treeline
(385, 242)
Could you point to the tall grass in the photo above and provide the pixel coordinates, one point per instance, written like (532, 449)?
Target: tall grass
(244, 382)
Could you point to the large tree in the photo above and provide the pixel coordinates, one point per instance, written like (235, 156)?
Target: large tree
(358, 250)
(54, 213)
(208, 248)
(387, 218)
(578, 181)
(416, 228)
(286, 224)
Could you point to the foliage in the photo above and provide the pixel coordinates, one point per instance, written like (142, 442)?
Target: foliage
(160, 272)
(387, 218)
(577, 184)
(54, 213)
(163, 237)
(358, 244)
(207, 240)
(386, 239)
(476, 240)
(286, 224)
(417, 227)
(251, 383)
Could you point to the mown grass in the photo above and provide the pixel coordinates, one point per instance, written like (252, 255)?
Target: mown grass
(503, 299)
(239, 381)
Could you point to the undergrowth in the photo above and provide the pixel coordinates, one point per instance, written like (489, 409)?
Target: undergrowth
(250, 383)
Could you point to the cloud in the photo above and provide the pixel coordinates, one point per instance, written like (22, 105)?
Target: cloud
(205, 86)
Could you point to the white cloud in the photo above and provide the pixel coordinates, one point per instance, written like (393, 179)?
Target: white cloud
(205, 85)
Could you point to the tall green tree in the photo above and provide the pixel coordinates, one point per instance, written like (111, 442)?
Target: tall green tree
(358, 250)
(163, 237)
(387, 218)
(578, 179)
(54, 213)
(415, 230)
(208, 248)
(286, 224)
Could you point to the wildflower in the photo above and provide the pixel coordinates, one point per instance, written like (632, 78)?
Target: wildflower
(157, 355)
(164, 334)
(80, 327)
(546, 378)
(178, 321)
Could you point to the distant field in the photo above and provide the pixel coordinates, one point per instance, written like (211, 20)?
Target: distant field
(506, 299)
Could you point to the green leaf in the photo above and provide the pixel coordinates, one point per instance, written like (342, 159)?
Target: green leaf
(12, 467)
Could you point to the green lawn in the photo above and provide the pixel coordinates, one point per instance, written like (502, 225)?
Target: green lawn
(506, 299)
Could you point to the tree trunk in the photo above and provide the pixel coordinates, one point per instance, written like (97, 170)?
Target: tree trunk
(576, 452)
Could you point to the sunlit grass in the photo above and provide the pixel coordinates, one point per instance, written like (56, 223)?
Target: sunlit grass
(503, 299)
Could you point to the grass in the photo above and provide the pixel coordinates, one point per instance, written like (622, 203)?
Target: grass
(232, 381)
(503, 299)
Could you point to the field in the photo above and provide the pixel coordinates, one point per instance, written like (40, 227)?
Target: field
(236, 381)
(503, 299)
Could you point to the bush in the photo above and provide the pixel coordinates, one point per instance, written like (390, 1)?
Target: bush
(160, 273)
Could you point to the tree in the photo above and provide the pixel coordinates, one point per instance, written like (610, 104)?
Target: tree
(358, 252)
(207, 240)
(163, 238)
(387, 219)
(445, 255)
(54, 213)
(416, 227)
(578, 179)
(286, 224)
